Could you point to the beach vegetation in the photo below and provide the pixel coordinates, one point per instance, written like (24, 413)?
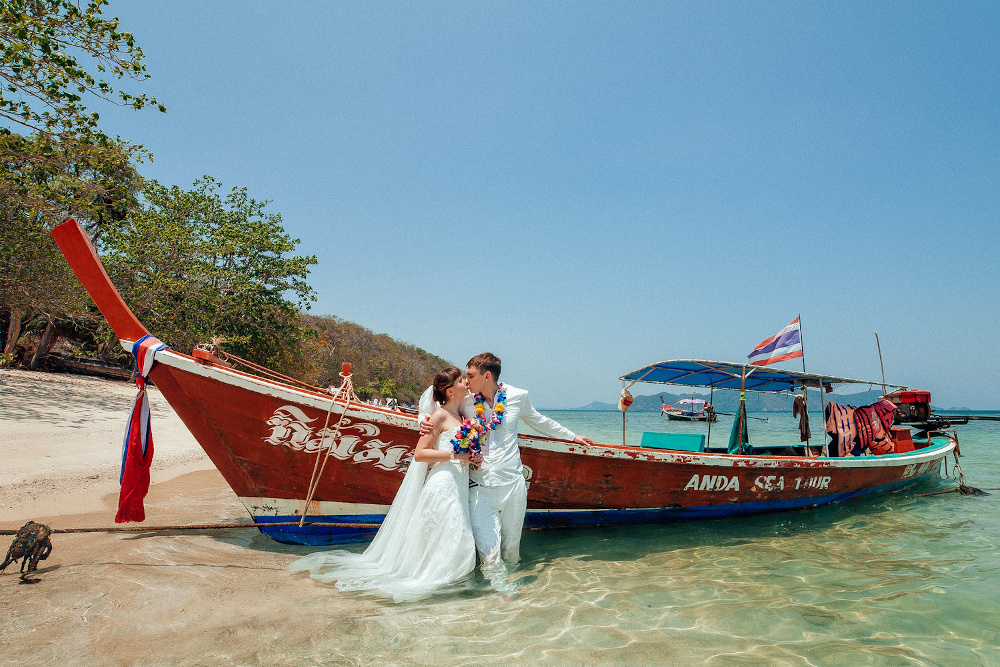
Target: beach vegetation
(200, 263)
(56, 58)
(382, 367)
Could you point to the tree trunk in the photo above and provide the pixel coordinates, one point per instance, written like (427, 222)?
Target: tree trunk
(108, 346)
(44, 344)
(13, 331)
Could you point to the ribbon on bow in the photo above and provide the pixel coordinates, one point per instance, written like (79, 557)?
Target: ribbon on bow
(137, 447)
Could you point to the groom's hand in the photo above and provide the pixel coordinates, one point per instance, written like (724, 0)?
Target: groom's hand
(583, 440)
(425, 426)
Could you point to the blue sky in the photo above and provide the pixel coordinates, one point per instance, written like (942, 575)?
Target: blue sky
(584, 188)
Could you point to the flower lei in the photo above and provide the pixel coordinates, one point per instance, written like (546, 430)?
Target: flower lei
(467, 440)
(498, 409)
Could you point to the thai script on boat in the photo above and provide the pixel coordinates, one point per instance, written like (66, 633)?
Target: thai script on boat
(713, 483)
(290, 427)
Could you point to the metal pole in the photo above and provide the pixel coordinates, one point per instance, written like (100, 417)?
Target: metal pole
(711, 401)
(822, 416)
(802, 346)
(742, 410)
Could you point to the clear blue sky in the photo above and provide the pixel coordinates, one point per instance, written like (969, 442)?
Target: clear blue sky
(584, 188)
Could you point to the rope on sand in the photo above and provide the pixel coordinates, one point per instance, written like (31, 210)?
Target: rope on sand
(201, 526)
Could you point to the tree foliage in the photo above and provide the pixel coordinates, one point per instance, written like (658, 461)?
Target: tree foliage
(195, 265)
(44, 82)
(98, 190)
(48, 49)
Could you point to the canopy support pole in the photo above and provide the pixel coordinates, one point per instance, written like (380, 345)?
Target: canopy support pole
(822, 416)
(711, 401)
(743, 408)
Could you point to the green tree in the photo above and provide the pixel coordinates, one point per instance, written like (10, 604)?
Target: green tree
(46, 47)
(196, 266)
(35, 280)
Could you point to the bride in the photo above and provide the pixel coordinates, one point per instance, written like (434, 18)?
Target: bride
(425, 542)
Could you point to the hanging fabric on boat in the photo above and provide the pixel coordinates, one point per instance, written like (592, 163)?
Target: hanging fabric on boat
(873, 435)
(137, 448)
(784, 345)
(799, 410)
(739, 434)
(840, 426)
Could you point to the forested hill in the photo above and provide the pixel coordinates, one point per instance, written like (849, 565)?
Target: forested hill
(381, 366)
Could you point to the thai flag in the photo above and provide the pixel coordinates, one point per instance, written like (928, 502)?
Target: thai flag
(786, 344)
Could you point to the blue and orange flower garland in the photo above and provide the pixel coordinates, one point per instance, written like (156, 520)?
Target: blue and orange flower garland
(498, 409)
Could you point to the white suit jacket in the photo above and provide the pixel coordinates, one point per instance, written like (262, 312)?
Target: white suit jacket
(501, 455)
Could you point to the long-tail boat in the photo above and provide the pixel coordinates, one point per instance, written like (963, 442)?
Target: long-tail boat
(265, 437)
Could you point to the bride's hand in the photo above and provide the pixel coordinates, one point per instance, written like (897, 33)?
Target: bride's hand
(463, 457)
(425, 426)
(476, 459)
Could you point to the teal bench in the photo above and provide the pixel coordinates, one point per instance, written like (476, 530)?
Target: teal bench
(679, 442)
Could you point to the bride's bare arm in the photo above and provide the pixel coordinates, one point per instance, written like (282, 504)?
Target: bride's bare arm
(425, 451)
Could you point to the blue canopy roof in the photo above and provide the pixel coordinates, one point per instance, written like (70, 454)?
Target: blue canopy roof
(728, 375)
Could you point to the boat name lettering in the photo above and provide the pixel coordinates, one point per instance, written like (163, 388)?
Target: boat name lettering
(291, 427)
(769, 483)
(812, 482)
(713, 483)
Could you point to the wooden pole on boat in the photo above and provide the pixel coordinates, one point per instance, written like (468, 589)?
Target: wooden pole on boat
(805, 390)
(879, 345)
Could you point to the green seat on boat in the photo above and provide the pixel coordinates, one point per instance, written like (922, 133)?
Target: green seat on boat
(680, 442)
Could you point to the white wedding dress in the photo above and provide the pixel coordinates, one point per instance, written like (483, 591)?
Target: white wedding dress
(424, 545)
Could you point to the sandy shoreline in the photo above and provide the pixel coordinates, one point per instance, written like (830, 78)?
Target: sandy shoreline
(134, 598)
(61, 438)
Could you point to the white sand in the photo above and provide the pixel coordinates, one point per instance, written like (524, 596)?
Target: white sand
(61, 442)
(178, 598)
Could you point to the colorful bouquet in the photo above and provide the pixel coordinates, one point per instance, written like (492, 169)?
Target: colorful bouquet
(466, 441)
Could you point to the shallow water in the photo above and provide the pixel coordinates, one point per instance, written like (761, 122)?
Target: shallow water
(893, 580)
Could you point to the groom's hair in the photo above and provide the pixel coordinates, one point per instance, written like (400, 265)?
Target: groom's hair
(487, 361)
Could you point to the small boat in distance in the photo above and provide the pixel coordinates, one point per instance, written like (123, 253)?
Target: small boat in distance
(268, 437)
(695, 410)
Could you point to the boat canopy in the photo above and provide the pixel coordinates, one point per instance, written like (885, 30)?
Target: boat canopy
(729, 375)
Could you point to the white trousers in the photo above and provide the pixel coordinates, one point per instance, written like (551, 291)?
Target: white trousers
(497, 515)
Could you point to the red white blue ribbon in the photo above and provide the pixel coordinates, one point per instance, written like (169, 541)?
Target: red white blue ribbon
(137, 448)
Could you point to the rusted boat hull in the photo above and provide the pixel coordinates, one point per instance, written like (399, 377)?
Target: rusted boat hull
(266, 437)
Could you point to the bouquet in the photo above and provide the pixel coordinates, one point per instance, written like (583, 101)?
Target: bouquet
(466, 441)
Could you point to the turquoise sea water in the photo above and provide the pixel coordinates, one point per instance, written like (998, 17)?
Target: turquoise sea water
(893, 580)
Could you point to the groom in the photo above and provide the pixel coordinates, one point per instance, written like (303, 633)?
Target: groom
(498, 495)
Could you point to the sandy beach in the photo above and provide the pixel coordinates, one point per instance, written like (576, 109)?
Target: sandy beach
(132, 598)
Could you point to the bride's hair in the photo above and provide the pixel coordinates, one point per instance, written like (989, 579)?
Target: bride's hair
(444, 379)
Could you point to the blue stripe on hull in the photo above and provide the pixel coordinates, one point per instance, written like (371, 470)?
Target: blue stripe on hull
(327, 535)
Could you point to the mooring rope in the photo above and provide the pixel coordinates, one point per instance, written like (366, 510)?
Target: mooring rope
(200, 526)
